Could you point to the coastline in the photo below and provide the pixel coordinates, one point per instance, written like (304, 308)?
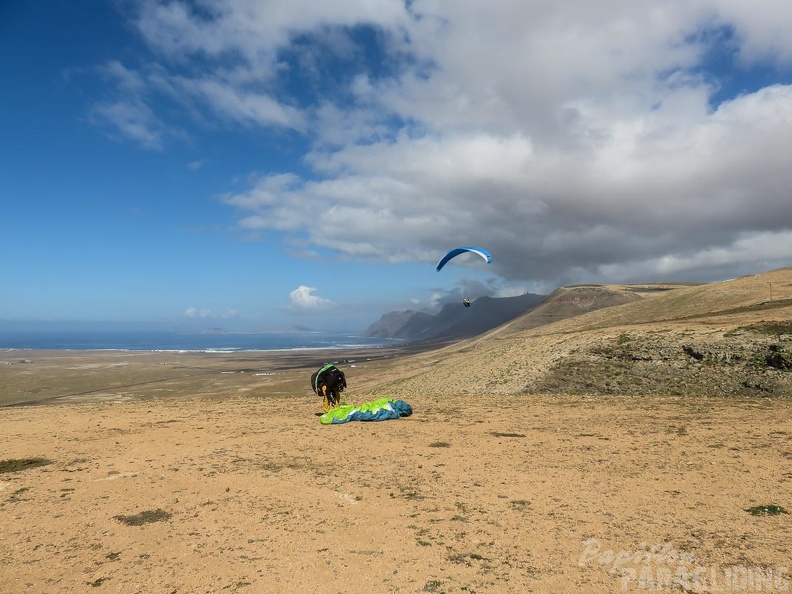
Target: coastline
(31, 377)
(173, 341)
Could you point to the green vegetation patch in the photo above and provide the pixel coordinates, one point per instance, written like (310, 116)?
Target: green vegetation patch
(623, 338)
(439, 444)
(766, 510)
(466, 558)
(772, 328)
(15, 465)
(499, 434)
(145, 517)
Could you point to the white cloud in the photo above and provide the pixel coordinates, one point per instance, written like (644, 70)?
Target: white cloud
(770, 249)
(125, 112)
(131, 120)
(648, 185)
(762, 28)
(251, 29)
(242, 105)
(204, 313)
(226, 56)
(577, 141)
(302, 298)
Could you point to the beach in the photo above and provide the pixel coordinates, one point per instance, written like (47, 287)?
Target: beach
(142, 472)
(60, 376)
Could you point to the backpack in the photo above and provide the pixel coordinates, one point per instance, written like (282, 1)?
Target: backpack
(331, 377)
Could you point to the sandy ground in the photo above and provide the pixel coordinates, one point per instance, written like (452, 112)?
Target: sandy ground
(218, 477)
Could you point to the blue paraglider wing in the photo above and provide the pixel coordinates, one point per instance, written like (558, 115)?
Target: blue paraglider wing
(455, 252)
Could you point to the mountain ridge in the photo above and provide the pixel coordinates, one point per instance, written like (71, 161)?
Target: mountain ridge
(454, 321)
(728, 338)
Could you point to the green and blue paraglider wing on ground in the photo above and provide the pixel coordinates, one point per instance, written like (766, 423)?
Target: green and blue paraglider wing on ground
(376, 410)
(461, 250)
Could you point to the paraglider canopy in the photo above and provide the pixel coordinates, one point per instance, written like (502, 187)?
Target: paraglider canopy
(461, 250)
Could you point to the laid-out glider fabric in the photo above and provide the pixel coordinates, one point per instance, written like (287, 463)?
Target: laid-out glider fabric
(376, 410)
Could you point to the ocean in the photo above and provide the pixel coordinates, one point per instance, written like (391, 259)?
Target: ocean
(132, 340)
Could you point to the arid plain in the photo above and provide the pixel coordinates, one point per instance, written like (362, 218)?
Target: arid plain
(640, 447)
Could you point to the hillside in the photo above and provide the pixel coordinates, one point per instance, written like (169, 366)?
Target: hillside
(720, 339)
(455, 321)
(570, 302)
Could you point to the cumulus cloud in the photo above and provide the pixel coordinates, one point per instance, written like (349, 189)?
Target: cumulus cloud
(204, 313)
(194, 312)
(303, 299)
(577, 141)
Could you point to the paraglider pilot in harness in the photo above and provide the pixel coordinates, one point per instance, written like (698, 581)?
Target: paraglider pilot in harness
(328, 383)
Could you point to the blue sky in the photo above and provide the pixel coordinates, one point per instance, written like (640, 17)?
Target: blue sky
(255, 164)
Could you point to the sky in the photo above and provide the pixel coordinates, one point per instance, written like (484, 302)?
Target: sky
(256, 165)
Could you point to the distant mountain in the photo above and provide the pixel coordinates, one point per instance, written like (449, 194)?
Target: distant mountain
(395, 324)
(454, 321)
(213, 331)
(716, 340)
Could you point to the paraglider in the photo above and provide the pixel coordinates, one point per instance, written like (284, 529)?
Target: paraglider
(461, 250)
(328, 383)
